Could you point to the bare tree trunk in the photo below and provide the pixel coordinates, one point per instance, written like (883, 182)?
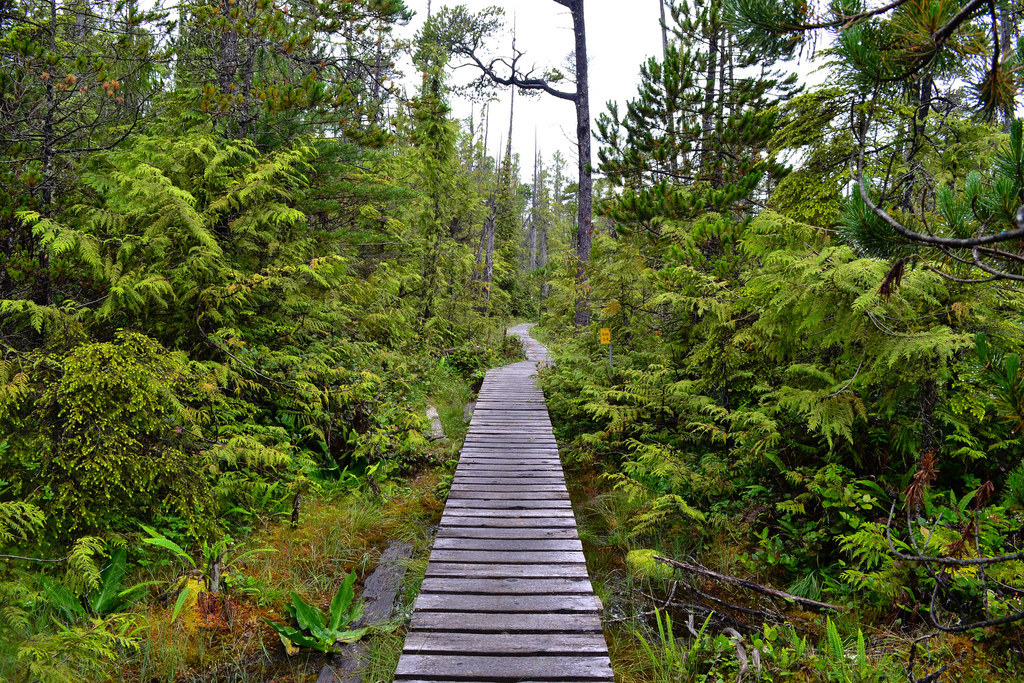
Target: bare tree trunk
(1006, 31)
(531, 237)
(927, 399)
(375, 81)
(489, 229)
(723, 53)
(247, 116)
(487, 126)
(709, 97)
(664, 31)
(585, 227)
(481, 247)
(43, 290)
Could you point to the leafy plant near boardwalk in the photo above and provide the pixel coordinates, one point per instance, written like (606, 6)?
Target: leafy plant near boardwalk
(324, 632)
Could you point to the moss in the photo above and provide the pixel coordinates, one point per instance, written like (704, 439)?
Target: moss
(642, 563)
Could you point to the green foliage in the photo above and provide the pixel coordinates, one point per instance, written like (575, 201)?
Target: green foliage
(94, 426)
(319, 632)
(836, 665)
(642, 564)
(671, 659)
(70, 652)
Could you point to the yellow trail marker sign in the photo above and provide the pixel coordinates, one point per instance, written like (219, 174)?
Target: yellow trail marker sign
(606, 335)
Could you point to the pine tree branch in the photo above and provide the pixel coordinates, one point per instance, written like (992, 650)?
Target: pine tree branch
(992, 271)
(934, 240)
(961, 280)
(846, 20)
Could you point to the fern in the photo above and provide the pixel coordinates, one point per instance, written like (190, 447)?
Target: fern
(19, 521)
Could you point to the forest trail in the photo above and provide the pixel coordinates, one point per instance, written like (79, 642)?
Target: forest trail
(506, 595)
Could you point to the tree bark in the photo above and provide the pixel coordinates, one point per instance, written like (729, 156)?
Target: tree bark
(531, 236)
(43, 290)
(664, 31)
(585, 226)
(709, 97)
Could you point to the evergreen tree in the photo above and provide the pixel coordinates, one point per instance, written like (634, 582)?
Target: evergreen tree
(905, 51)
(75, 78)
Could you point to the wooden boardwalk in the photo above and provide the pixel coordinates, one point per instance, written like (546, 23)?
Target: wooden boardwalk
(506, 595)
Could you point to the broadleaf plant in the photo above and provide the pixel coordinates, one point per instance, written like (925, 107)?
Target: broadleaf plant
(323, 632)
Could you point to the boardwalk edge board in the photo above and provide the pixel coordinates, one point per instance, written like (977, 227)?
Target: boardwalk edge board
(507, 596)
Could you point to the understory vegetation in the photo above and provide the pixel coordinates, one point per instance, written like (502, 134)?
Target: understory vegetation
(242, 254)
(816, 384)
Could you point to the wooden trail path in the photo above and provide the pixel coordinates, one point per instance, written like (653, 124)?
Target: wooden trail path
(506, 595)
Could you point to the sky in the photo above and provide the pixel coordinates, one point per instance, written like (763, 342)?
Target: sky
(620, 37)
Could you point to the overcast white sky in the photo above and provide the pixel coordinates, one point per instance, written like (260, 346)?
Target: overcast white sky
(620, 36)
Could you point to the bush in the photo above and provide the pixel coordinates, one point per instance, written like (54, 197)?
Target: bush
(96, 435)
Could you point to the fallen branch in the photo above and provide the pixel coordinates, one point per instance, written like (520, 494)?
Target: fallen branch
(744, 583)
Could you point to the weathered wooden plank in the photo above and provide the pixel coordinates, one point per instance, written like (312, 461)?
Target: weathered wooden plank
(519, 469)
(491, 532)
(522, 494)
(503, 522)
(507, 556)
(519, 644)
(509, 443)
(519, 487)
(484, 622)
(499, 478)
(501, 571)
(506, 460)
(506, 544)
(507, 586)
(445, 602)
(523, 461)
(549, 465)
(506, 513)
(520, 450)
(492, 443)
(493, 680)
(509, 477)
(507, 504)
(494, 449)
(505, 481)
(502, 482)
(505, 668)
(507, 406)
(509, 454)
(523, 427)
(535, 425)
(531, 473)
